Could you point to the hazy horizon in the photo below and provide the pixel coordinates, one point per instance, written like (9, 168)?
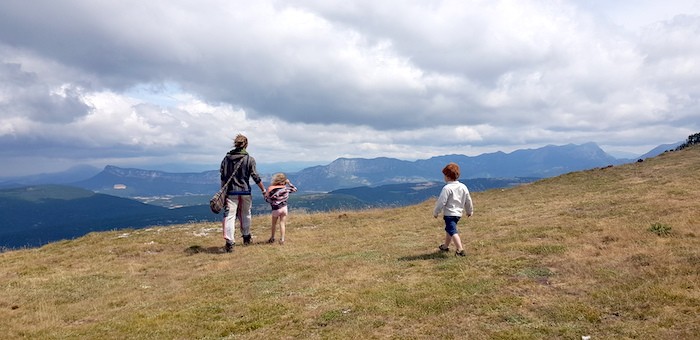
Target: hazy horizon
(264, 167)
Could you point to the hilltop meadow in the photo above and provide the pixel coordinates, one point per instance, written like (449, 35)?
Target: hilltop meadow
(610, 253)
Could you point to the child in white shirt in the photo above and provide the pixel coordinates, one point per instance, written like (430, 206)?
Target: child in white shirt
(453, 200)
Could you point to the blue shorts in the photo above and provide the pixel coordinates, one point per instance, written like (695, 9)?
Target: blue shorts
(451, 225)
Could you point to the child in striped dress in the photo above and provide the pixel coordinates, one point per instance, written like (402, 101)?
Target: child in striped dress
(277, 195)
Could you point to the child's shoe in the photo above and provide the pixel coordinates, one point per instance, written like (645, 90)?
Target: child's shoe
(461, 253)
(271, 240)
(282, 242)
(444, 248)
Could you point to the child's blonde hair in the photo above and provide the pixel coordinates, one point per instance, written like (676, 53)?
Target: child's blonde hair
(279, 179)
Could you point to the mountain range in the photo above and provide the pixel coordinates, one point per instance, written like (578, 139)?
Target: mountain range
(660, 149)
(547, 161)
(114, 198)
(346, 173)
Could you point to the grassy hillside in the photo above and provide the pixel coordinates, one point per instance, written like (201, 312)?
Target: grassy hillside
(612, 253)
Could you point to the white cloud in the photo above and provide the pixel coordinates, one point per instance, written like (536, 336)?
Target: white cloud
(132, 82)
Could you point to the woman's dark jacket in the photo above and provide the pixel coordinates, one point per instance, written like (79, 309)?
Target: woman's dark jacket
(240, 184)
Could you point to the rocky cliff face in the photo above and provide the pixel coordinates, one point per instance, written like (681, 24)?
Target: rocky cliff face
(206, 177)
(543, 162)
(137, 182)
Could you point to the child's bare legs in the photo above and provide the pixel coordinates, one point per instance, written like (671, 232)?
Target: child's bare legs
(283, 225)
(458, 242)
(448, 239)
(274, 226)
(453, 239)
(452, 235)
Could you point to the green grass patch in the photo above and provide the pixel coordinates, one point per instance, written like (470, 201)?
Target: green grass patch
(547, 249)
(660, 229)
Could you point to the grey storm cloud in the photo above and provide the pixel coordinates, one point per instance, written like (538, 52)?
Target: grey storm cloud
(287, 62)
(363, 78)
(23, 93)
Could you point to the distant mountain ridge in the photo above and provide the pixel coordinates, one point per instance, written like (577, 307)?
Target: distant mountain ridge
(547, 161)
(343, 173)
(132, 182)
(660, 149)
(346, 173)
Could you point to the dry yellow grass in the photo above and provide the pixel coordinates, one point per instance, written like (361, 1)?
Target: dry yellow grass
(560, 258)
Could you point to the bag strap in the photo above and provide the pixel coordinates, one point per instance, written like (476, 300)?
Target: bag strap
(235, 169)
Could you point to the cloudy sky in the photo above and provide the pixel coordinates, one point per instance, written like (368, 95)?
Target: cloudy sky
(159, 83)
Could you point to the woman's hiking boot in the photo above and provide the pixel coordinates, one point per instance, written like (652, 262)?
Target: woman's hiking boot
(246, 239)
(228, 247)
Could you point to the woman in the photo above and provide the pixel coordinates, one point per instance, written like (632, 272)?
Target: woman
(241, 166)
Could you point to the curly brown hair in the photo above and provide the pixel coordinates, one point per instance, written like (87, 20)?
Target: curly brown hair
(451, 171)
(240, 141)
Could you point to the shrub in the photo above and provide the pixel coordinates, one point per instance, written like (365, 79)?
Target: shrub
(660, 229)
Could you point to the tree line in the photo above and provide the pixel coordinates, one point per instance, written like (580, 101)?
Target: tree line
(692, 140)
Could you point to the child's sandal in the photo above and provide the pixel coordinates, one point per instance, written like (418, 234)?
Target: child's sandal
(271, 240)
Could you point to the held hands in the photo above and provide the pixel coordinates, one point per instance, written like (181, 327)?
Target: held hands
(262, 188)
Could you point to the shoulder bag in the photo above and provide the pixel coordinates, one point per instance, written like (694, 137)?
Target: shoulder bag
(218, 201)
